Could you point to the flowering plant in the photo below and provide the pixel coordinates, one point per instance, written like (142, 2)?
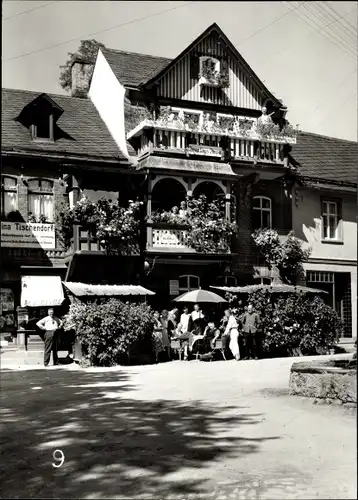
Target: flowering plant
(221, 79)
(210, 231)
(164, 216)
(286, 257)
(116, 226)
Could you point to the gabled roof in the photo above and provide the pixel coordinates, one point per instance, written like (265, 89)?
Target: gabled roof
(215, 28)
(326, 158)
(82, 133)
(133, 69)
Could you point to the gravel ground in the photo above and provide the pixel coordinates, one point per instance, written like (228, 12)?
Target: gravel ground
(179, 430)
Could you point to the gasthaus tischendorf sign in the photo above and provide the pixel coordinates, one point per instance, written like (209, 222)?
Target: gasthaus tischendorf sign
(28, 235)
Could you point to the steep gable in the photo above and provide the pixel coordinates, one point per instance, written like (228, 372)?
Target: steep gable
(180, 78)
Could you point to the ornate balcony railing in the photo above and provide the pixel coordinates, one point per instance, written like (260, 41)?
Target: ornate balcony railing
(239, 149)
(167, 237)
(210, 127)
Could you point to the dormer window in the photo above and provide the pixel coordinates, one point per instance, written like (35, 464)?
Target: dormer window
(40, 116)
(43, 129)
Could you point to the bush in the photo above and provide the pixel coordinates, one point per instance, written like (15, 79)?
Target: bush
(110, 330)
(292, 322)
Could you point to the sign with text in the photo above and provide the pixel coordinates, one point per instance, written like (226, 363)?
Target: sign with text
(201, 149)
(28, 235)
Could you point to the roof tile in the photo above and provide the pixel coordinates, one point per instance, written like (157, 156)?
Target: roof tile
(326, 158)
(85, 134)
(131, 68)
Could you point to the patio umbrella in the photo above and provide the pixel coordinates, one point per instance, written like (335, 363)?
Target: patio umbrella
(274, 288)
(200, 296)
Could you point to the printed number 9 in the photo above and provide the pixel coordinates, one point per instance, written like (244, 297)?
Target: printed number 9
(61, 458)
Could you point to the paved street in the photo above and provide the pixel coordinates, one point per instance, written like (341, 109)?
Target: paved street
(222, 430)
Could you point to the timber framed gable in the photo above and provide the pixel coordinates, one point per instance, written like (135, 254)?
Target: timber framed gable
(231, 81)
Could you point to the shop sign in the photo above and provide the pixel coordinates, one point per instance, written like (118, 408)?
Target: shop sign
(174, 287)
(28, 235)
(201, 149)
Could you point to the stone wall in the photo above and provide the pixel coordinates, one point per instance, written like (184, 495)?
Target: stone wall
(325, 382)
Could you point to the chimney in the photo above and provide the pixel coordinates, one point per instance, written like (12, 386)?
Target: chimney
(81, 74)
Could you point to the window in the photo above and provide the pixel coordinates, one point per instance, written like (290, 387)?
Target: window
(226, 281)
(188, 282)
(43, 129)
(331, 220)
(8, 195)
(40, 200)
(262, 212)
(262, 280)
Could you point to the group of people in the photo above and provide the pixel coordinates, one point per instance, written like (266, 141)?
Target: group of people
(198, 334)
(181, 211)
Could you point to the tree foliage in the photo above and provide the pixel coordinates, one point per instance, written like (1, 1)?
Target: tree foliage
(88, 51)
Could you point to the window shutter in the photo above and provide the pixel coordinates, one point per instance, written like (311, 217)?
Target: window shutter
(194, 67)
(224, 67)
(340, 220)
(321, 217)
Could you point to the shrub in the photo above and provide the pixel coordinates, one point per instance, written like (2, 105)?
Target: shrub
(292, 322)
(110, 330)
(287, 257)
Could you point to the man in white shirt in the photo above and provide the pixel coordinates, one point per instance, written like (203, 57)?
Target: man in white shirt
(50, 324)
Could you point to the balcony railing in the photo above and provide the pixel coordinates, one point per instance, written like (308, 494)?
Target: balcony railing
(171, 238)
(238, 149)
(209, 139)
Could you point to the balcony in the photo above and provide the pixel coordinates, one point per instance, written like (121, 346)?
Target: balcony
(171, 238)
(239, 140)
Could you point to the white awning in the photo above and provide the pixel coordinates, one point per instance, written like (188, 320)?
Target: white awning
(41, 291)
(83, 290)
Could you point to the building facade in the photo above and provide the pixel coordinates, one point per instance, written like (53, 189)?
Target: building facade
(139, 126)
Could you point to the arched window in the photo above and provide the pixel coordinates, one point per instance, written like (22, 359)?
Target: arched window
(167, 193)
(188, 282)
(262, 213)
(8, 195)
(41, 203)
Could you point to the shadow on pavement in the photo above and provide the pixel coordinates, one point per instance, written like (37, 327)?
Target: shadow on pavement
(114, 446)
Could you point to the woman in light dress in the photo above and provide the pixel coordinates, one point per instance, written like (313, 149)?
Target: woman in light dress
(232, 332)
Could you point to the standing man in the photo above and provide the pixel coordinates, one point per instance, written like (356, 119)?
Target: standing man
(50, 324)
(250, 322)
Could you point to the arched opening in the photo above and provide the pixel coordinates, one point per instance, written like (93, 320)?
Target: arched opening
(166, 194)
(211, 190)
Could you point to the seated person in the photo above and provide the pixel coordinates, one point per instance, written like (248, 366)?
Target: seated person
(211, 334)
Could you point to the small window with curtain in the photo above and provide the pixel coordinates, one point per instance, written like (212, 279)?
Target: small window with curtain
(41, 202)
(8, 195)
(262, 213)
(188, 282)
(331, 220)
